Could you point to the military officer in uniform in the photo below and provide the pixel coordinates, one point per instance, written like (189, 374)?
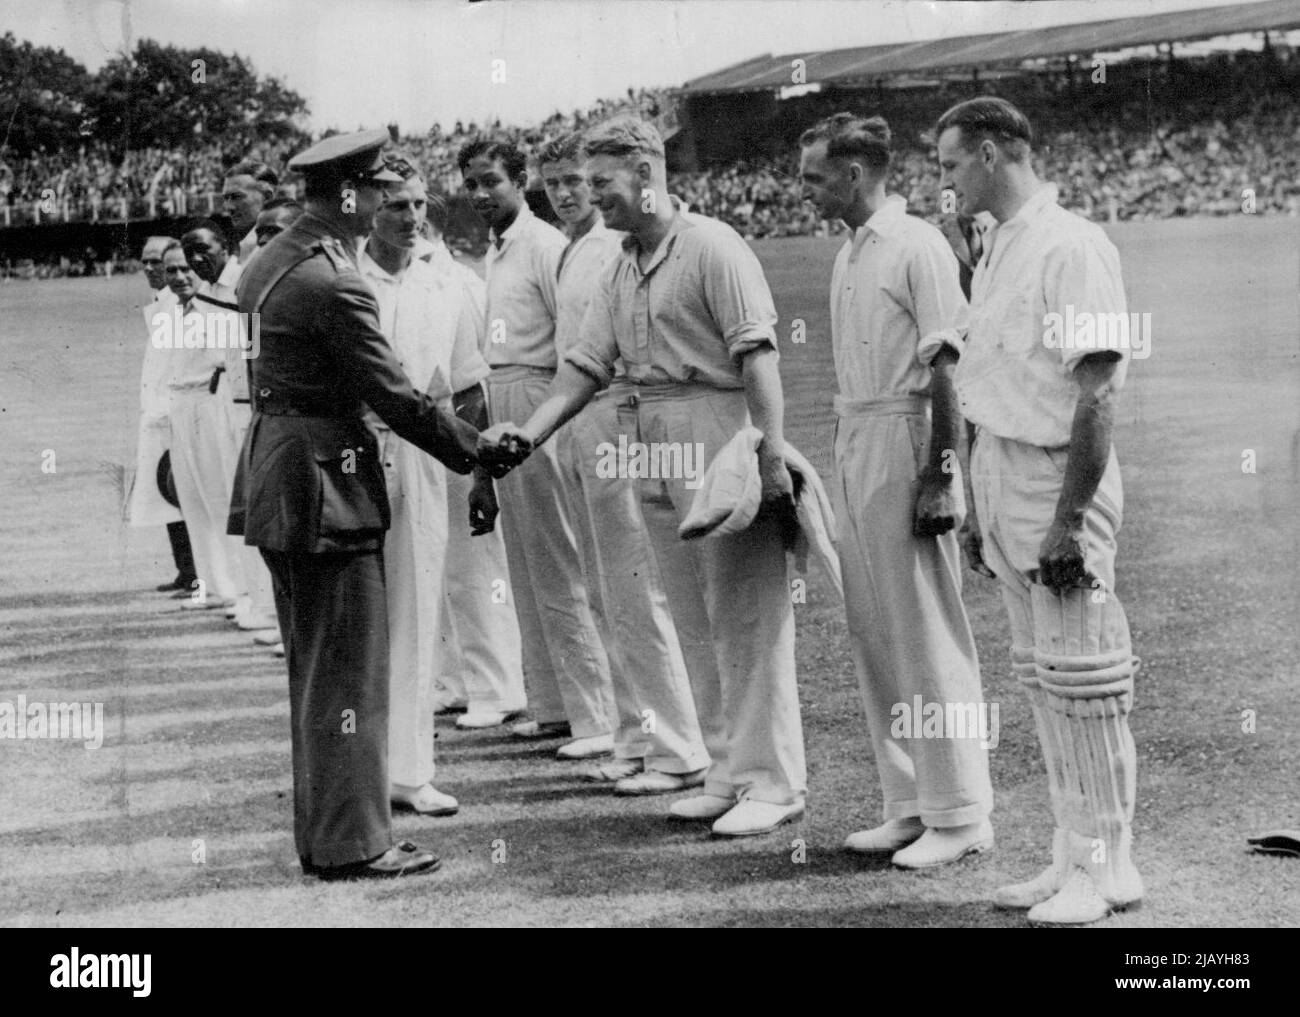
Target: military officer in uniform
(313, 502)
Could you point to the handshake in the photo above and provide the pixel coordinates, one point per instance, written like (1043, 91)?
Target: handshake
(501, 448)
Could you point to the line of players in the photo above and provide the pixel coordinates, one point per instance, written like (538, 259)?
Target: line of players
(644, 320)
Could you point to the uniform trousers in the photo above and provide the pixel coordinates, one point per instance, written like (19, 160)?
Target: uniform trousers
(334, 619)
(566, 670)
(908, 630)
(203, 467)
(731, 600)
(481, 658)
(413, 570)
(656, 715)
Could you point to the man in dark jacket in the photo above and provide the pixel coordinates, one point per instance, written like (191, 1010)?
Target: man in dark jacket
(313, 501)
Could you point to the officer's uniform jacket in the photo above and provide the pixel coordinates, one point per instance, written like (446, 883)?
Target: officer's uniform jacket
(312, 480)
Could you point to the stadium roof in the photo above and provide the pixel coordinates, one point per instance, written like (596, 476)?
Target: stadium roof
(867, 62)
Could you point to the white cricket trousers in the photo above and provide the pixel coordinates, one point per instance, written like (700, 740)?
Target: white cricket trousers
(730, 597)
(908, 630)
(481, 659)
(657, 722)
(566, 670)
(414, 550)
(203, 467)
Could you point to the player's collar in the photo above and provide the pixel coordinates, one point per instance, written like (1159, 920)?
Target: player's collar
(885, 220)
(1039, 202)
(371, 269)
(516, 228)
(681, 221)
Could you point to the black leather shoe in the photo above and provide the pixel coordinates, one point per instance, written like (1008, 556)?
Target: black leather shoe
(179, 583)
(402, 859)
(1277, 842)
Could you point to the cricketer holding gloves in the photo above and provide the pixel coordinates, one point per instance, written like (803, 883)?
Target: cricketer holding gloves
(1048, 497)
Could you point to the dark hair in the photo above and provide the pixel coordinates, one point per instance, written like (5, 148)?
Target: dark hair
(322, 185)
(989, 117)
(512, 160)
(849, 136)
(401, 164)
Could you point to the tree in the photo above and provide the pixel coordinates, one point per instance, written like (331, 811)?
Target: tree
(172, 97)
(43, 93)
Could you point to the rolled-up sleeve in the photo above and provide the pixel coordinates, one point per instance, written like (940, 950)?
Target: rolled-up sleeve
(738, 297)
(934, 282)
(1082, 277)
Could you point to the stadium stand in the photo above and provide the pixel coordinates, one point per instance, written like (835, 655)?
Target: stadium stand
(1159, 137)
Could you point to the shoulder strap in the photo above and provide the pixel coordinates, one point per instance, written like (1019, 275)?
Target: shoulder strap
(279, 274)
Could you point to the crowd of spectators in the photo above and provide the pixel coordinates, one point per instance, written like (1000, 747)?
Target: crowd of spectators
(1219, 149)
(93, 182)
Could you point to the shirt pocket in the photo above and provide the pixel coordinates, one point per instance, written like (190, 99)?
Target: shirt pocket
(350, 478)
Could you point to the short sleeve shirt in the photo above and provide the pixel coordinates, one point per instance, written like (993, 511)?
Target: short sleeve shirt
(699, 307)
(1046, 293)
(896, 299)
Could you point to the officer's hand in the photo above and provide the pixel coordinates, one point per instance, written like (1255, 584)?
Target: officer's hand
(501, 448)
(482, 505)
(936, 506)
(1061, 557)
(972, 542)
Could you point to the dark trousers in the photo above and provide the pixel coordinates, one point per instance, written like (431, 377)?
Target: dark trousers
(181, 553)
(334, 621)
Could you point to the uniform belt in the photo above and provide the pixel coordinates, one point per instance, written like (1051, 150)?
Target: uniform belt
(634, 395)
(889, 406)
(275, 408)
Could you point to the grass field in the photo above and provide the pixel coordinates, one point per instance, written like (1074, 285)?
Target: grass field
(196, 756)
